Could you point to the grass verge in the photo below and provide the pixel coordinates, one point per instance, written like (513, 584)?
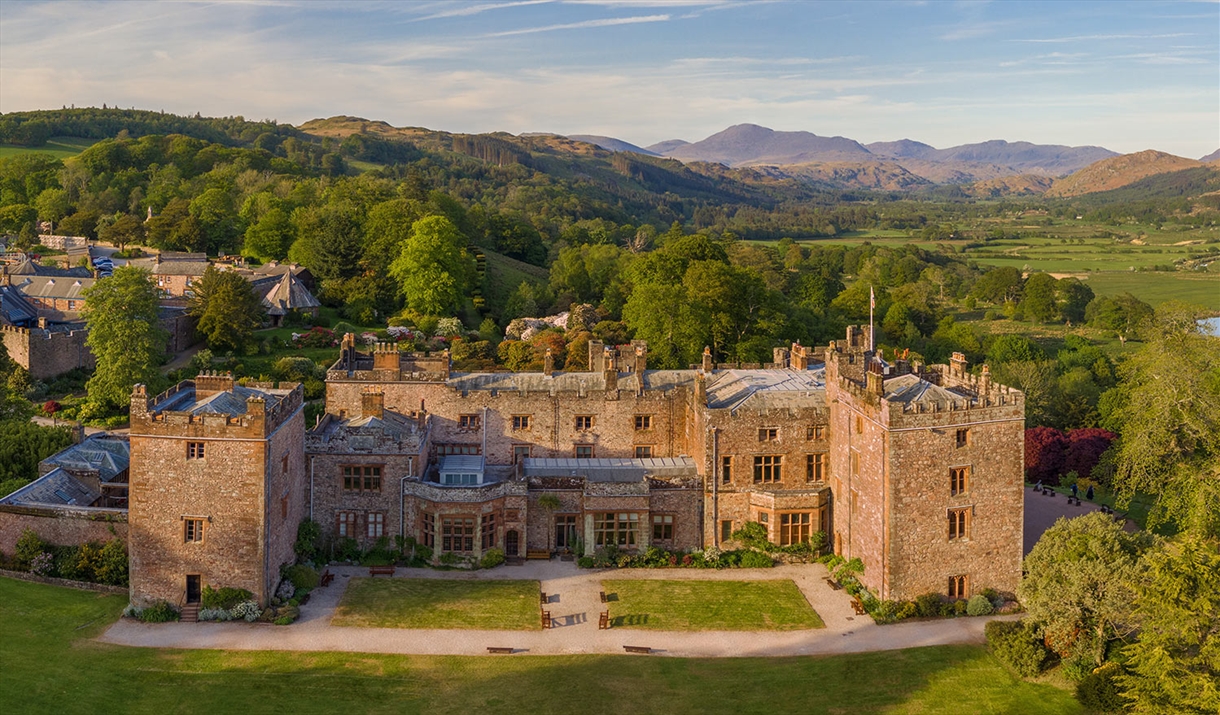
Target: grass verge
(52, 666)
(440, 603)
(775, 605)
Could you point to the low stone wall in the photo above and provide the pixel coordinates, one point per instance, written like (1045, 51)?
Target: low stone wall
(80, 585)
(67, 526)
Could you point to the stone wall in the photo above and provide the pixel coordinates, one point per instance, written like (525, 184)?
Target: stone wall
(47, 353)
(506, 502)
(63, 526)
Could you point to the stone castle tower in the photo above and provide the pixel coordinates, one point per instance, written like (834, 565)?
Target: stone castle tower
(217, 487)
(927, 473)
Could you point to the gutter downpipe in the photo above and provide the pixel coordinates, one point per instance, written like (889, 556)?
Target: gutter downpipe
(715, 475)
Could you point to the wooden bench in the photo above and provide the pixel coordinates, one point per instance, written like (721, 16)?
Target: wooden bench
(544, 598)
(327, 577)
(603, 621)
(856, 604)
(637, 649)
(381, 571)
(538, 555)
(546, 619)
(498, 649)
(603, 596)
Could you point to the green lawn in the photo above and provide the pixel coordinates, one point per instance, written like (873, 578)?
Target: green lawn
(440, 603)
(776, 605)
(58, 147)
(50, 665)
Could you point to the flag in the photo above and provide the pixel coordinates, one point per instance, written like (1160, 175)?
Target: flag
(872, 298)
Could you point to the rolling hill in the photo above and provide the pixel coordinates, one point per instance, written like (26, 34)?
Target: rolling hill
(611, 144)
(1119, 171)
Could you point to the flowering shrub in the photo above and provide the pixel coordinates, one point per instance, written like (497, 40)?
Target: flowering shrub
(368, 338)
(42, 564)
(248, 610)
(400, 333)
(317, 337)
(215, 614)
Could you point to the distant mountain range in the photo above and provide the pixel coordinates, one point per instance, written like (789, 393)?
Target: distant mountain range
(898, 164)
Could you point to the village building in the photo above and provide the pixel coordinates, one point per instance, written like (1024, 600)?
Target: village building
(286, 296)
(174, 273)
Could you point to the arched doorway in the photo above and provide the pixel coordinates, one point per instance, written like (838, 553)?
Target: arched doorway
(510, 543)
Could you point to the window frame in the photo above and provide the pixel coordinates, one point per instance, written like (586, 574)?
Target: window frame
(664, 523)
(368, 481)
(768, 434)
(347, 523)
(726, 530)
(195, 451)
(726, 469)
(959, 524)
(643, 423)
(959, 586)
(815, 433)
(817, 467)
(962, 437)
(615, 528)
(768, 468)
(487, 531)
(795, 527)
(192, 529)
(576, 449)
(643, 451)
(462, 537)
(469, 422)
(959, 480)
(522, 451)
(521, 423)
(374, 524)
(427, 529)
(582, 423)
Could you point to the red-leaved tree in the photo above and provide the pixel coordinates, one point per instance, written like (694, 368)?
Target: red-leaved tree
(1084, 450)
(1045, 454)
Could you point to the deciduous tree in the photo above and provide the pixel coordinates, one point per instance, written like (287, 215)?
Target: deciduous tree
(228, 309)
(433, 268)
(124, 335)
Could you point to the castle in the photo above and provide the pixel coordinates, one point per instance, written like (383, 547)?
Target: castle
(916, 470)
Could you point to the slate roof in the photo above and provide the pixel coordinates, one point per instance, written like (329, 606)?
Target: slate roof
(174, 264)
(15, 309)
(568, 381)
(108, 455)
(229, 402)
(732, 389)
(26, 267)
(289, 294)
(57, 488)
(912, 389)
(54, 286)
(611, 470)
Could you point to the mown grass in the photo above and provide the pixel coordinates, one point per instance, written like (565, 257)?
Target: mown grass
(440, 603)
(50, 665)
(58, 147)
(774, 605)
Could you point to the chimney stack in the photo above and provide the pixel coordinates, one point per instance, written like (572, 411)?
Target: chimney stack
(548, 363)
(707, 364)
(610, 369)
(372, 404)
(957, 365)
(597, 356)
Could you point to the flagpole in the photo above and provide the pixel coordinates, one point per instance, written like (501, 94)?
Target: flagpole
(872, 303)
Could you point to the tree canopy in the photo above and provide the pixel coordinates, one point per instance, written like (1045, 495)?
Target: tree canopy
(228, 309)
(124, 335)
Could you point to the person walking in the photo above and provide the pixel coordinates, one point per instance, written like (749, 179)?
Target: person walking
(1089, 494)
(1075, 491)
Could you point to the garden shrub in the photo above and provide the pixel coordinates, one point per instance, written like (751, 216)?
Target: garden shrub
(947, 609)
(585, 562)
(29, 545)
(303, 578)
(1016, 644)
(247, 610)
(756, 560)
(423, 553)
(753, 534)
(886, 611)
(224, 598)
(43, 564)
(928, 605)
(907, 610)
(979, 605)
(1076, 668)
(1099, 690)
(348, 549)
(449, 558)
(960, 607)
(491, 558)
(112, 563)
(159, 612)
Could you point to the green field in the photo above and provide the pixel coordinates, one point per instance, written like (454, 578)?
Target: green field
(440, 603)
(50, 665)
(58, 147)
(775, 605)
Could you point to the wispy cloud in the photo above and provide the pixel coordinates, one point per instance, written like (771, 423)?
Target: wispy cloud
(1083, 38)
(603, 22)
(470, 10)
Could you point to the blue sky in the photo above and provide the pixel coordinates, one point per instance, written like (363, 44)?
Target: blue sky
(1127, 76)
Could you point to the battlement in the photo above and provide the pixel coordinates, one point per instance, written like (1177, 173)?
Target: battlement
(253, 410)
(386, 362)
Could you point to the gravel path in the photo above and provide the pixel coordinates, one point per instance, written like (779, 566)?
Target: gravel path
(574, 604)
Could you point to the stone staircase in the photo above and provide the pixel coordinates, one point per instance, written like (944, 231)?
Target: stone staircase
(190, 613)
